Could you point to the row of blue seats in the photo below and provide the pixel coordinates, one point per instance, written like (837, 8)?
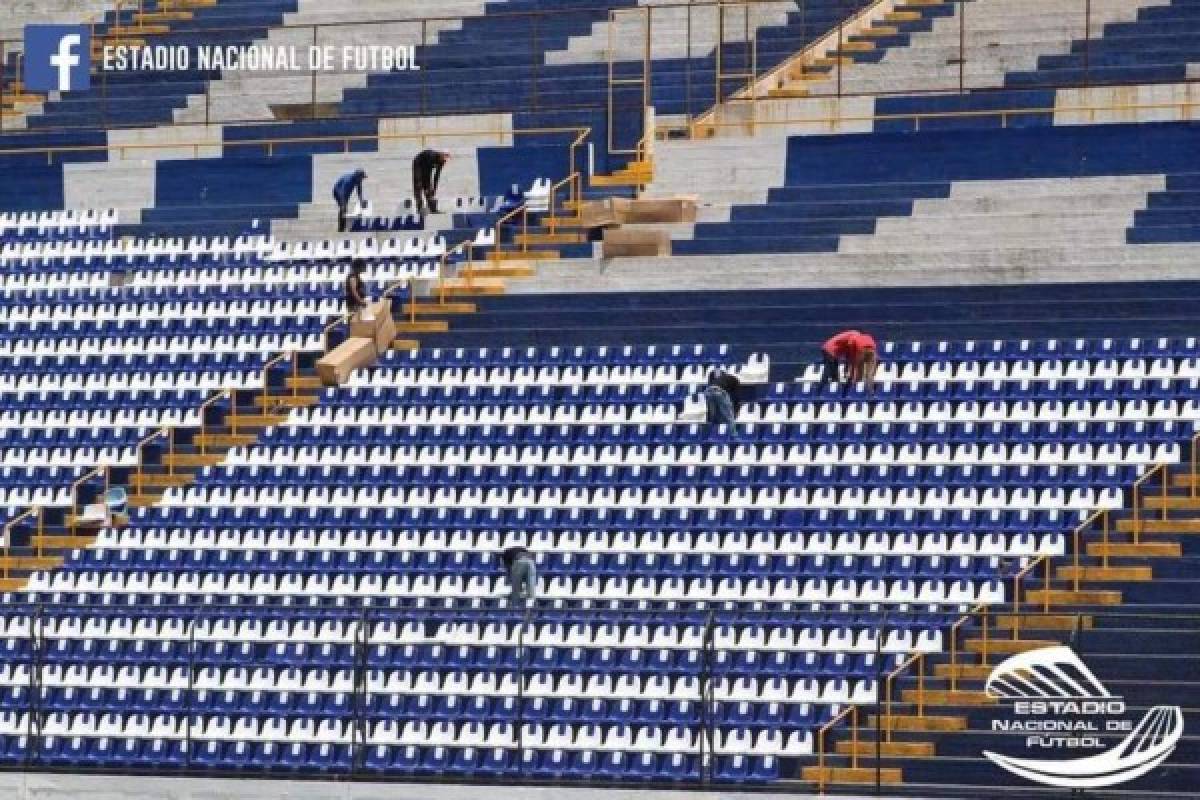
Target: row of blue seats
(160, 754)
(102, 400)
(419, 707)
(985, 391)
(99, 233)
(505, 395)
(563, 357)
(829, 475)
(131, 363)
(650, 565)
(136, 296)
(526, 519)
(111, 329)
(746, 434)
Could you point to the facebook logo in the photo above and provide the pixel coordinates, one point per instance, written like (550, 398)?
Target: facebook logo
(57, 57)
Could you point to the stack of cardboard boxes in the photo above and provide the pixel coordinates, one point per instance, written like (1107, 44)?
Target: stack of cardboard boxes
(371, 333)
(615, 213)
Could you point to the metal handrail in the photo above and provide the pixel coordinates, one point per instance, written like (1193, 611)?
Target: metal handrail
(1137, 497)
(35, 511)
(887, 691)
(164, 431)
(94, 472)
(266, 370)
(917, 116)
(821, 745)
(1016, 599)
(568, 181)
(1077, 535)
(270, 143)
(232, 395)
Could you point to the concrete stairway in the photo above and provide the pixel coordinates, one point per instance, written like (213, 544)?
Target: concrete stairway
(997, 37)
(1128, 610)
(251, 95)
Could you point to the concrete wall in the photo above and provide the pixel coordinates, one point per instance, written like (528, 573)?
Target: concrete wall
(248, 96)
(35, 786)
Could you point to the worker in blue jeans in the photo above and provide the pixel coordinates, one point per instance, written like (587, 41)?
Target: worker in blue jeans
(522, 575)
(718, 395)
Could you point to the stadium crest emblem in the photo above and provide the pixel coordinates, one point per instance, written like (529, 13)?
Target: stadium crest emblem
(1061, 706)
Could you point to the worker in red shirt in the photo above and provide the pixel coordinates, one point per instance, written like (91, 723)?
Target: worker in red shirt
(857, 351)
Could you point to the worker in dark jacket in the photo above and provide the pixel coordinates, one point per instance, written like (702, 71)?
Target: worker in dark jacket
(427, 171)
(344, 189)
(356, 290)
(522, 574)
(721, 397)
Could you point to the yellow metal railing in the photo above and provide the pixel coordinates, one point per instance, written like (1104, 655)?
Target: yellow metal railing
(1137, 497)
(168, 433)
(11, 525)
(821, 739)
(232, 395)
(73, 520)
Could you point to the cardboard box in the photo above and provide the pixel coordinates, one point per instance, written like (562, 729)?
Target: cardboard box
(667, 209)
(625, 242)
(337, 365)
(375, 323)
(598, 214)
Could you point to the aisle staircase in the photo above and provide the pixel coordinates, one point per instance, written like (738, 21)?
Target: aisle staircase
(1126, 605)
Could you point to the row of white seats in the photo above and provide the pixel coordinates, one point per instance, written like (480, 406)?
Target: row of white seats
(162, 345)
(135, 312)
(75, 383)
(777, 590)
(695, 410)
(987, 370)
(585, 544)
(334, 416)
(136, 247)
(754, 371)
(615, 497)
(387, 733)
(597, 635)
(766, 455)
(961, 412)
(70, 457)
(109, 418)
(68, 218)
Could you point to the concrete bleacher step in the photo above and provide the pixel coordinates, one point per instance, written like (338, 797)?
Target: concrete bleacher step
(425, 309)
(503, 269)
(421, 326)
(255, 420)
(550, 238)
(404, 345)
(1141, 550)
(947, 697)
(1188, 525)
(461, 287)
(1175, 501)
(1006, 646)
(12, 584)
(160, 480)
(970, 672)
(60, 542)
(523, 255)
(185, 460)
(307, 381)
(915, 722)
(853, 775)
(216, 441)
(1105, 574)
(1069, 597)
(143, 500)
(867, 749)
(1044, 622)
(288, 401)
(10, 563)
